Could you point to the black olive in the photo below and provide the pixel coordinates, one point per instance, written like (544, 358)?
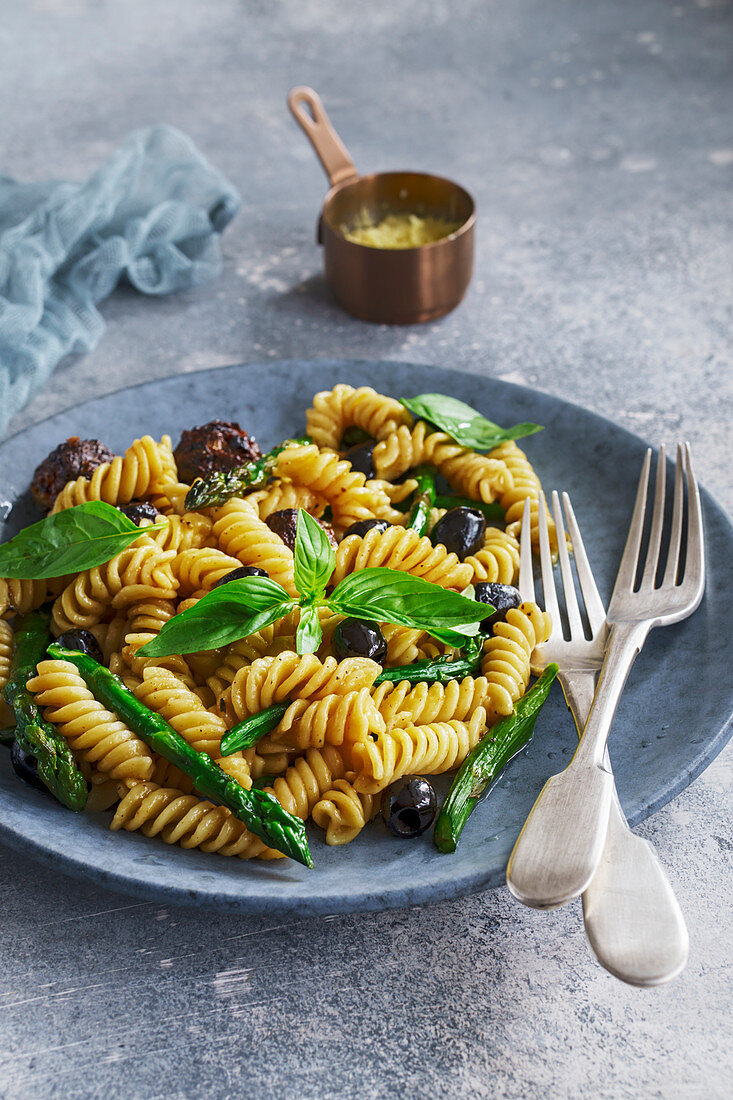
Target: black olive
(359, 638)
(365, 525)
(84, 641)
(461, 530)
(501, 596)
(361, 458)
(408, 807)
(138, 510)
(237, 574)
(25, 767)
(285, 524)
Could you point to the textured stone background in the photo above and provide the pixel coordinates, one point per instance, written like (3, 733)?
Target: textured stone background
(597, 141)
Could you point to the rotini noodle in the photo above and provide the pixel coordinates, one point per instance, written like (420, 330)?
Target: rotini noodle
(93, 733)
(427, 749)
(130, 477)
(344, 407)
(242, 534)
(407, 551)
(343, 812)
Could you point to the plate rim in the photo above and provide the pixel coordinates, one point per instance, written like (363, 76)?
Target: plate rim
(403, 895)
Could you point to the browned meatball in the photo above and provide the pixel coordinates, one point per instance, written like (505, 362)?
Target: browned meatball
(219, 445)
(285, 524)
(70, 460)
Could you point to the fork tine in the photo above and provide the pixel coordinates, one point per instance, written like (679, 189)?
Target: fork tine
(629, 560)
(655, 535)
(695, 553)
(548, 579)
(675, 537)
(526, 574)
(571, 600)
(591, 597)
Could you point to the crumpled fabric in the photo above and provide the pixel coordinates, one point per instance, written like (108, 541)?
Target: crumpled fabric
(152, 214)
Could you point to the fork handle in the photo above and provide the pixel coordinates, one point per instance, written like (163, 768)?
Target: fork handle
(561, 843)
(624, 644)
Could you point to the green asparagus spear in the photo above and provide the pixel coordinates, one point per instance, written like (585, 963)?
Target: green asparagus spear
(482, 766)
(493, 511)
(56, 765)
(249, 731)
(422, 502)
(260, 812)
(216, 488)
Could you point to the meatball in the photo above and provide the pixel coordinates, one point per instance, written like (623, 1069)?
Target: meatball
(218, 446)
(70, 460)
(285, 524)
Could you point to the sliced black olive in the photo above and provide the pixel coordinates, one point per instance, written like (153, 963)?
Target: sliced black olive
(84, 641)
(237, 574)
(501, 596)
(408, 806)
(359, 638)
(25, 767)
(361, 458)
(364, 525)
(138, 510)
(461, 531)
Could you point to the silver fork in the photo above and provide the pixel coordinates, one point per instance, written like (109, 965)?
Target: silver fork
(561, 844)
(632, 918)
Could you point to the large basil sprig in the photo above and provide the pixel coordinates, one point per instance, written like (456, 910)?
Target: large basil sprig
(463, 423)
(241, 607)
(68, 542)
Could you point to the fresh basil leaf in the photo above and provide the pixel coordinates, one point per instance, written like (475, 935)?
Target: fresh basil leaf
(68, 542)
(315, 558)
(463, 423)
(391, 596)
(308, 635)
(233, 611)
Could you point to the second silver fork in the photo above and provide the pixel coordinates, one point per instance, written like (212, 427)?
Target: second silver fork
(633, 922)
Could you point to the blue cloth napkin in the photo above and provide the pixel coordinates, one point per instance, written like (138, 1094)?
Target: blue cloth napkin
(153, 214)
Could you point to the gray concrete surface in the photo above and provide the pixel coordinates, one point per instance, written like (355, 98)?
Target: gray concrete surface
(597, 141)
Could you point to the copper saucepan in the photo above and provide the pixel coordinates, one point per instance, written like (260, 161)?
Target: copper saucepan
(390, 286)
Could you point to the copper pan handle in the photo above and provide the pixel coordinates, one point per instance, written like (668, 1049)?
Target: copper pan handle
(309, 112)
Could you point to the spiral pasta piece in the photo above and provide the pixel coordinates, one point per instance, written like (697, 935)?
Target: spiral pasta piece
(335, 720)
(481, 477)
(427, 749)
(507, 659)
(344, 407)
(524, 483)
(270, 680)
(407, 551)
(343, 812)
(498, 558)
(139, 572)
(415, 704)
(93, 733)
(130, 477)
(191, 822)
(163, 692)
(189, 531)
(7, 718)
(198, 570)
(242, 534)
(280, 494)
(241, 653)
(17, 597)
(348, 493)
(306, 780)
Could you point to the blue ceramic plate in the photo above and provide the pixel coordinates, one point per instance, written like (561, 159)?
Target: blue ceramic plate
(672, 721)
